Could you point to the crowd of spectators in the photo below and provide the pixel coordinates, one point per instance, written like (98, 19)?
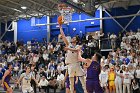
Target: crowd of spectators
(48, 60)
(121, 69)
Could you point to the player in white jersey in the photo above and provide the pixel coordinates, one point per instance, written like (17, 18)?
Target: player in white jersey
(26, 79)
(71, 59)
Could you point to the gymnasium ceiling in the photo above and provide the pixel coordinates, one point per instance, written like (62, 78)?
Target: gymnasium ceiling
(11, 9)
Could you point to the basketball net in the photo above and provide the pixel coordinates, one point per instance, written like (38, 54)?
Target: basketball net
(66, 12)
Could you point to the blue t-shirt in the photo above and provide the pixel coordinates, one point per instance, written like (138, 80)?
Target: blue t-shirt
(112, 62)
(127, 60)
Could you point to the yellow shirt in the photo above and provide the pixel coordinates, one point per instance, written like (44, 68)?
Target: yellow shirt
(111, 79)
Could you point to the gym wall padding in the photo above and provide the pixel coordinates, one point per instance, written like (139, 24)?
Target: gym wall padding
(27, 32)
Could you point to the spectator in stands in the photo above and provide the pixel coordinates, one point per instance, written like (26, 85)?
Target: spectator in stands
(113, 38)
(60, 78)
(42, 73)
(135, 86)
(50, 47)
(51, 67)
(127, 77)
(111, 79)
(57, 48)
(118, 79)
(35, 58)
(126, 60)
(43, 83)
(53, 84)
(89, 37)
(45, 57)
(16, 68)
(91, 47)
(137, 74)
(104, 79)
(123, 44)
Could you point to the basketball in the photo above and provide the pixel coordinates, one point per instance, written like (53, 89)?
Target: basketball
(60, 20)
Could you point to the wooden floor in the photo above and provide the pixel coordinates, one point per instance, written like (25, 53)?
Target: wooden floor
(19, 91)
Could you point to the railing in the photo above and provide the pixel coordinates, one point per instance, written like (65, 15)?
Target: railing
(105, 43)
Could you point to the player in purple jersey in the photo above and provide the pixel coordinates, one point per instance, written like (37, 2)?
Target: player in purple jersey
(6, 79)
(93, 71)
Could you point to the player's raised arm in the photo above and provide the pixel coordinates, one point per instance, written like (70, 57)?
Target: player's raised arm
(63, 36)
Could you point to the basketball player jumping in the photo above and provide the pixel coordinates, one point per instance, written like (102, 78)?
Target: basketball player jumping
(72, 61)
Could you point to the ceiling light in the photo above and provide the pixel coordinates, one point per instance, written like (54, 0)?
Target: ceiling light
(24, 7)
(16, 10)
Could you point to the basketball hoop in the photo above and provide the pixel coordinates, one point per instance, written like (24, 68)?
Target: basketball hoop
(66, 13)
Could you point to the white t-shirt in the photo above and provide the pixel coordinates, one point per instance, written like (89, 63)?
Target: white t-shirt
(60, 67)
(43, 82)
(132, 72)
(106, 62)
(45, 56)
(50, 47)
(130, 37)
(127, 77)
(138, 35)
(29, 47)
(9, 59)
(118, 76)
(90, 44)
(60, 77)
(137, 73)
(123, 45)
(113, 37)
(103, 77)
(113, 54)
(124, 38)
